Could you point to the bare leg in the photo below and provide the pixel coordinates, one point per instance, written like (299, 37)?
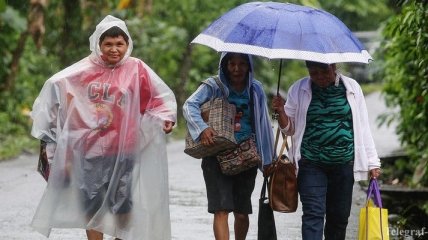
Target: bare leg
(241, 226)
(94, 235)
(221, 226)
(122, 221)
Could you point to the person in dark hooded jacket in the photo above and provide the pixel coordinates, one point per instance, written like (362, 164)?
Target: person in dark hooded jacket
(232, 193)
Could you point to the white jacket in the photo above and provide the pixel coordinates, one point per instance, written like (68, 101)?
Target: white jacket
(298, 100)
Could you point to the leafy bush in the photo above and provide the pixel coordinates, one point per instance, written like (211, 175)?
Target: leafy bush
(406, 85)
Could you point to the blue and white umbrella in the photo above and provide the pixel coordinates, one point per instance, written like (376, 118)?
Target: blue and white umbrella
(284, 31)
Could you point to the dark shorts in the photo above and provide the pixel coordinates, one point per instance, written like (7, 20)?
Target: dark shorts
(228, 193)
(106, 181)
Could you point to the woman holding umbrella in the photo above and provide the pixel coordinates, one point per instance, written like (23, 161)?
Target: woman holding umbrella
(232, 193)
(327, 118)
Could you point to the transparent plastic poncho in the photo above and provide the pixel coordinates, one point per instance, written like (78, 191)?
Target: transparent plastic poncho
(103, 125)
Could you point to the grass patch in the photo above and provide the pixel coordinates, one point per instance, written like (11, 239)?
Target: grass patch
(13, 146)
(371, 87)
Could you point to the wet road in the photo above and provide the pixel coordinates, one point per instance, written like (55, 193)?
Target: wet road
(21, 188)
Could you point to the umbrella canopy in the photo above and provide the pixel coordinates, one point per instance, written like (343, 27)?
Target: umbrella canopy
(284, 31)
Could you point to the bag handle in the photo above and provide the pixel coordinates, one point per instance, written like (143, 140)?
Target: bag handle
(283, 146)
(374, 189)
(276, 138)
(284, 142)
(264, 187)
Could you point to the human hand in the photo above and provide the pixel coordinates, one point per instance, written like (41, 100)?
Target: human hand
(268, 170)
(207, 136)
(375, 173)
(167, 128)
(278, 103)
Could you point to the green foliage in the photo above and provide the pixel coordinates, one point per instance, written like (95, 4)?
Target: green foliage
(371, 87)
(369, 13)
(357, 15)
(2, 5)
(16, 103)
(406, 77)
(155, 49)
(161, 37)
(14, 125)
(12, 24)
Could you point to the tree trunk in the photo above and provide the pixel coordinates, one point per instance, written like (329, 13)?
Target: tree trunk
(14, 64)
(143, 7)
(181, 87)
(35, 27)
(36, 21)
(71, 35)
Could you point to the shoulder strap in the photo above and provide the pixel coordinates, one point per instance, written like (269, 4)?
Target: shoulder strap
(220, 85)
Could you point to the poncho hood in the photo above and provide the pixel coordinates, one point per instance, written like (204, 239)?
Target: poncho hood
(108, 22)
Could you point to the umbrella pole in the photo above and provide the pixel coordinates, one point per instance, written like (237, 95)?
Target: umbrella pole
(275, 114)
(279, 77)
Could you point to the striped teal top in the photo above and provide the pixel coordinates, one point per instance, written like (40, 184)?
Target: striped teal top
(328, 136)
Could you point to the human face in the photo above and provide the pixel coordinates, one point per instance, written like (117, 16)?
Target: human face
(238, 68)
(113, 49)
(323, 77)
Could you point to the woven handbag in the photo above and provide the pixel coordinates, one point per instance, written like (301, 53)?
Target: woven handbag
(220, 115)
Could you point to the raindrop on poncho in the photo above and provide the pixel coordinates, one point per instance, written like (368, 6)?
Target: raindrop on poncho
(103, 125)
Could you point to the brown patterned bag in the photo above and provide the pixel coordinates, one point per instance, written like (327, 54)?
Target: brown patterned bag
(220, 115)
(242, 158)
(43, 166)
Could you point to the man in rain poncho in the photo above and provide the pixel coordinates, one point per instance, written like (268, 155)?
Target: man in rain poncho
(102, 119)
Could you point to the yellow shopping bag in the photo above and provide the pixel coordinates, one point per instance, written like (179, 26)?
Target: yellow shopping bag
(373, 218)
